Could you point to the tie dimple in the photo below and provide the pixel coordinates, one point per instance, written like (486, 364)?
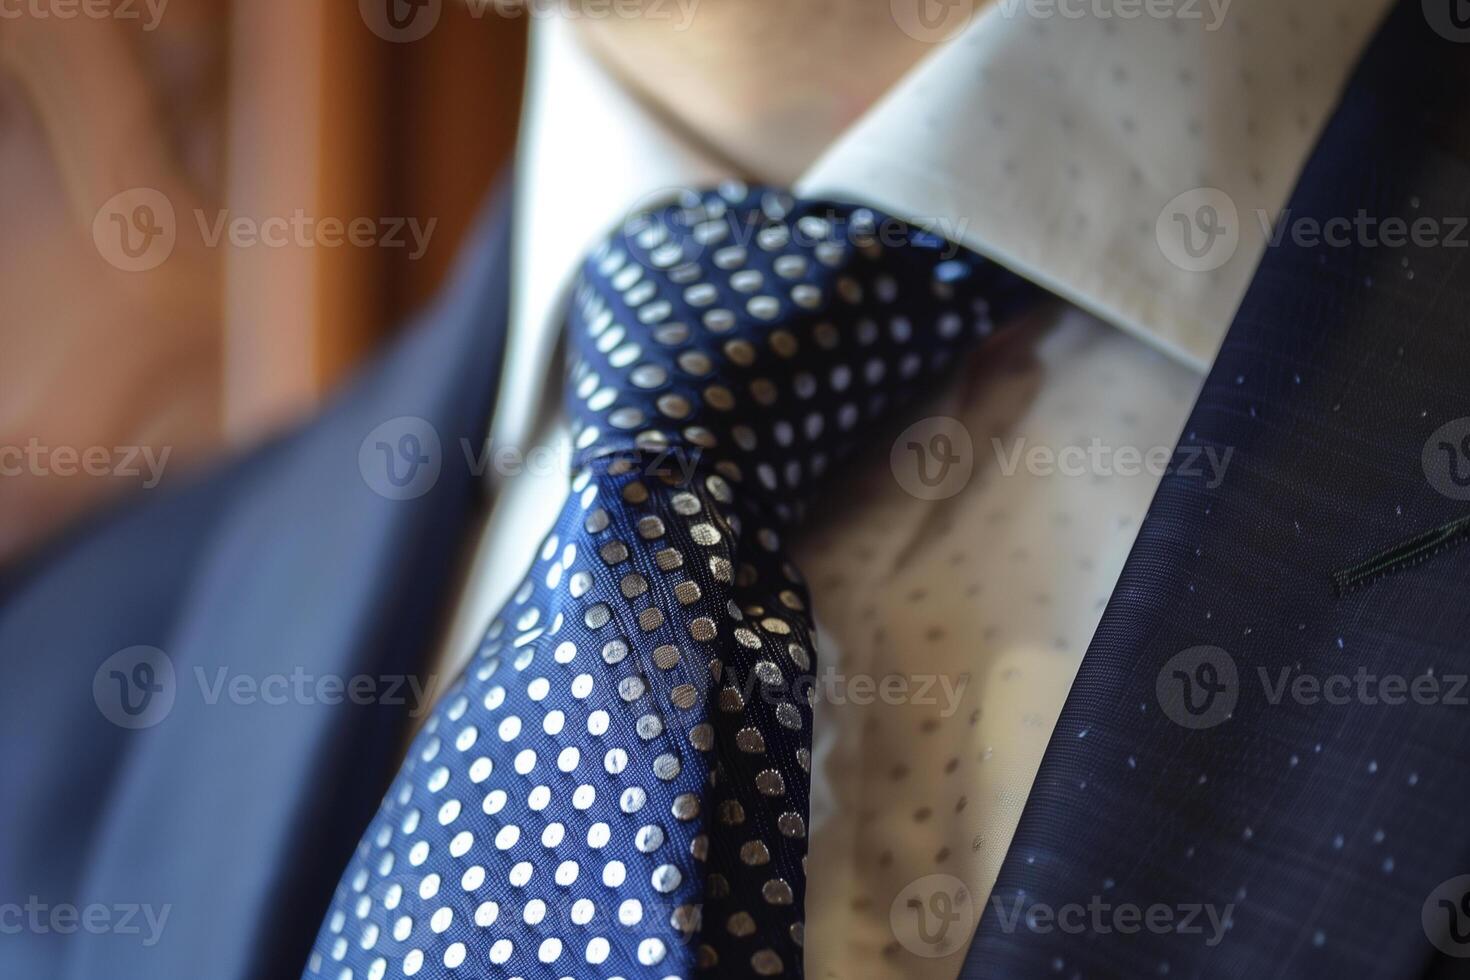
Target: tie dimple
(767, 334)
(618, 785)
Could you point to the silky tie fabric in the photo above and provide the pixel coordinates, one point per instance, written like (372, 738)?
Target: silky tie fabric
(618, 785)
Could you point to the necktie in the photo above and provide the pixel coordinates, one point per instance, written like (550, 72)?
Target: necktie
(618, 785)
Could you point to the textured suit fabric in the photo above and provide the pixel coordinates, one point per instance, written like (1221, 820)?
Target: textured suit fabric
(237, 816)
(1321, 828)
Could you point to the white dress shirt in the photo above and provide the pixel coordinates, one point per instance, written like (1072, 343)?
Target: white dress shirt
(949, 629)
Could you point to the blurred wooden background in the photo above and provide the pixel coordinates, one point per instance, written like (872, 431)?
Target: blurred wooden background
(257, 109)
(358, 126)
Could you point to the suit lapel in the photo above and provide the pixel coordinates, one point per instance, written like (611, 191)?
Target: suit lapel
(317, 573)
(1193, 779)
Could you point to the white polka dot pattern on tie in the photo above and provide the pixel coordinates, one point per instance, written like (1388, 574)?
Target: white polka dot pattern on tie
(619, 784)
(568, 824)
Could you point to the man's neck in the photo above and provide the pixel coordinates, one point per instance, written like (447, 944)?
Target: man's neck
(765, 84)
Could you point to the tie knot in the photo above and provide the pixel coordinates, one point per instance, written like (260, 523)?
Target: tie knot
(761, 337)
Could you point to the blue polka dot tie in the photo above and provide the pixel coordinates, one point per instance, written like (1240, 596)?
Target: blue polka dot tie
(618, 785)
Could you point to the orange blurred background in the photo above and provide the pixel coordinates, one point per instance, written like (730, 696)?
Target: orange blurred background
(250, 121)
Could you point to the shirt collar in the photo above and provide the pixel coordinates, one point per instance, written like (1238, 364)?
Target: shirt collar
(1077, 149)
(589, 153)
(1081, 149)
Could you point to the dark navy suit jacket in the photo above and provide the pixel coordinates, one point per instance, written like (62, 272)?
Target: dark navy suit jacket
(238, 815)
